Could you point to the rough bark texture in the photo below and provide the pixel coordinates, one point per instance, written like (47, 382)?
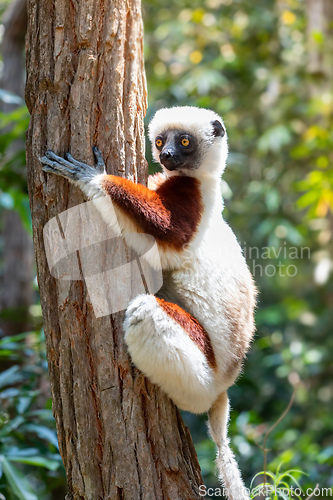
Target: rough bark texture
(120, 437)
(17, 273)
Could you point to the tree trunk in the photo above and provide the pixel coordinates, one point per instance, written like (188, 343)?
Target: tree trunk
(15, 24)
(319, 14)
(119, 436)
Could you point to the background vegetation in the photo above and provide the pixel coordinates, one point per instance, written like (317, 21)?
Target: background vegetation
(266, 67)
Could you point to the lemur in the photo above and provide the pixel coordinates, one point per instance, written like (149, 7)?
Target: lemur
(191, 338)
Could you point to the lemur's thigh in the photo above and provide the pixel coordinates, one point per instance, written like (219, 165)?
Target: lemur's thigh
(173, 350)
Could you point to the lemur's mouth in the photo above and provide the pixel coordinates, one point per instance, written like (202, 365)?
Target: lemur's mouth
(170, 162)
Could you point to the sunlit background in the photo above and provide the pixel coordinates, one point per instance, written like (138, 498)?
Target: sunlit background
(267, 68)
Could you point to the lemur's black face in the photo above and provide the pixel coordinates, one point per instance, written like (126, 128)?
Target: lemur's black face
(180, 149)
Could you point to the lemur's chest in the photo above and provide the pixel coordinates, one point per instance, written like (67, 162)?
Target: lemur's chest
(182, 203)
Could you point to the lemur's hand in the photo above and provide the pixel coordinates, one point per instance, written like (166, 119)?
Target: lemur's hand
(72, 169)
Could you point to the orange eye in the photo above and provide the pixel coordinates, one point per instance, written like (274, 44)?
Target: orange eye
(158, 143)
(185, 142)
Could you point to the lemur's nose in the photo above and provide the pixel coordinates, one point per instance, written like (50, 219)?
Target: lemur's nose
(169, 159)
(166, 155)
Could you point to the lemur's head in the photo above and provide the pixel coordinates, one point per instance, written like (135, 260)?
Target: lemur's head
(189, 141)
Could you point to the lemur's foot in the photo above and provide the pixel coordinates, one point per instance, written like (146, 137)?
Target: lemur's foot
(72, 169)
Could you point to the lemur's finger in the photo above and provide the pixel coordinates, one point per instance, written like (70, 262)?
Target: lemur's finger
(100, 165)
(52, 156)
(55, 168)
(74, 162)
(47, 168)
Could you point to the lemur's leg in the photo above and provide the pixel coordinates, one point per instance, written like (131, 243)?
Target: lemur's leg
(173, 350)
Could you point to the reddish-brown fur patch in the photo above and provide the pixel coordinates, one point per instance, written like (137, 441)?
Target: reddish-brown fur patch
(171, 213)
(192, 327)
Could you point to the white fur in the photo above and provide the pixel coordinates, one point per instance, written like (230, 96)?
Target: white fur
(227, 465)
(92, 189)
(209, 279)
(159, 346)
(199, 122)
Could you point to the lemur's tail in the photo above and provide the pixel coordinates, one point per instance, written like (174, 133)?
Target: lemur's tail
(228, 469)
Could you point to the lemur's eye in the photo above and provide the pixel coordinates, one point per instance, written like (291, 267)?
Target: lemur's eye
(185, 142)
(158, 143)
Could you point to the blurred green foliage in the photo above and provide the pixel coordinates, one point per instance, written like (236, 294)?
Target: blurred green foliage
(13, 182)
(249, 62)
(30, 464)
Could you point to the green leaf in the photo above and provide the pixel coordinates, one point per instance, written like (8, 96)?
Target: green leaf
(23, 404)
(262, 473)
(36, 460)
(318, 36)
(43, 414)
(26, 452)
(43, 433)
(13, 340)
(326, 455)
(274, 139)
(308, 198)
(21, 205)
(10, 376)
(272, 200)
(18, 483)
(11, 426)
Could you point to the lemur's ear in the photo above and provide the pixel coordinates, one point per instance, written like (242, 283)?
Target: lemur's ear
(218, 130)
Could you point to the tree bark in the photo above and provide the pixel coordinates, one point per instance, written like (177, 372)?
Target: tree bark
(120, 437)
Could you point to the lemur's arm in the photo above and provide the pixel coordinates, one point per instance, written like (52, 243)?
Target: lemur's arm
(171, 213)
